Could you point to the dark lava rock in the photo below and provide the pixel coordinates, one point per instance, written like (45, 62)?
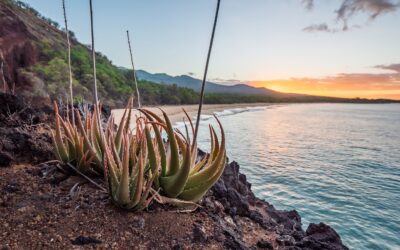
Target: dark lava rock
(322, 232)
(82, 240)
(138, 222)
(321, 236)
(264, 244)
(12, 187)
(177, 246)
(5, 159)
(22, 138)
(10, 103)
(237, 201)
(233, 191)
(5, 247)
(199, 233)
(285, 240)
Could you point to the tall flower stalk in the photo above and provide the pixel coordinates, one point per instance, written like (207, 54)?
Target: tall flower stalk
(69, 61)
(203, 84)
(96, 98)
(133, 68)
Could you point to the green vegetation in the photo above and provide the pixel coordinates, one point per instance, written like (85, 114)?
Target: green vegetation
(115, 85)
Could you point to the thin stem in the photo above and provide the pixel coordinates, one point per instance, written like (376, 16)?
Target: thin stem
(87, 178)
(203, 84)
(96, 99)
(133, 68)
(69, 62)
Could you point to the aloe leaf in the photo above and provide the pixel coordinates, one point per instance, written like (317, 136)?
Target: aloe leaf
(112, 169)
(209, 171)
(150, 114)
(60, 144)
(152, 154)
(118, 136)
(114, 151)
(174, 185)
(140, 179)
(55, 147)
(174, 161)
(123, 189)
(160, 143)
(195, 193)
(199, 165)
(216, 143)
(97, 160)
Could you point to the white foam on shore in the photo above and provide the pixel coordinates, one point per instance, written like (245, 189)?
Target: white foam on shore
(226, 112)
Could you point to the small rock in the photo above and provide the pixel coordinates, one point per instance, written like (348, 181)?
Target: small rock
(264, 244)
(208, 203)
(285, 240)
(138, 222)
(218, 235)
(12, 187)
(199, 233)
(233, 211)
(229, 221)
(177, 247)
(218, 207)
(5, 247)
(82, 240)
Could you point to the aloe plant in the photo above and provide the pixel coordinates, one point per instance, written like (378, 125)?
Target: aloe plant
(129, 181)
(181, 176)
(72, 146)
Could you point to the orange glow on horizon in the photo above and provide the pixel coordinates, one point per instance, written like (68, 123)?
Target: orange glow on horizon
(342, 86)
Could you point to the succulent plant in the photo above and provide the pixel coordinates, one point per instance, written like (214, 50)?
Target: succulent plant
(83, 144)
(129, 180)
(73, 145)
(137, 163)
(181, 176)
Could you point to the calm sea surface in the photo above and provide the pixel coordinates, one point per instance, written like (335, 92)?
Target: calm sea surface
(335, 163)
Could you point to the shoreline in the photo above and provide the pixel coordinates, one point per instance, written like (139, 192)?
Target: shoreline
(176, 114)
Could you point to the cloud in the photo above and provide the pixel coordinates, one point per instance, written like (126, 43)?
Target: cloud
(308, 4)
(349, 8)
(322, 27)
(368, 85)
(392, 67)
(228, 81)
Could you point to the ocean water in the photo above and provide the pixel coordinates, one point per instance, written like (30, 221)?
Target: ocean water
(333, 163)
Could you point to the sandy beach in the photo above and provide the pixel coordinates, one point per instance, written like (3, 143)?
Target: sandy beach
(176, 114)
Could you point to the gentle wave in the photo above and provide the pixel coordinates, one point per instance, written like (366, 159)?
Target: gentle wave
(336, 163)
(226, 112)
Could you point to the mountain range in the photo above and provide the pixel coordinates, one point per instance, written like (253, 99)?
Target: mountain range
(211, 87)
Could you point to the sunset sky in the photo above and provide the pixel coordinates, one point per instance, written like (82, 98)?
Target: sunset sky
(345, 48)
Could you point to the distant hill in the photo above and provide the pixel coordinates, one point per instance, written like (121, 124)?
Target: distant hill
(211, 87)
